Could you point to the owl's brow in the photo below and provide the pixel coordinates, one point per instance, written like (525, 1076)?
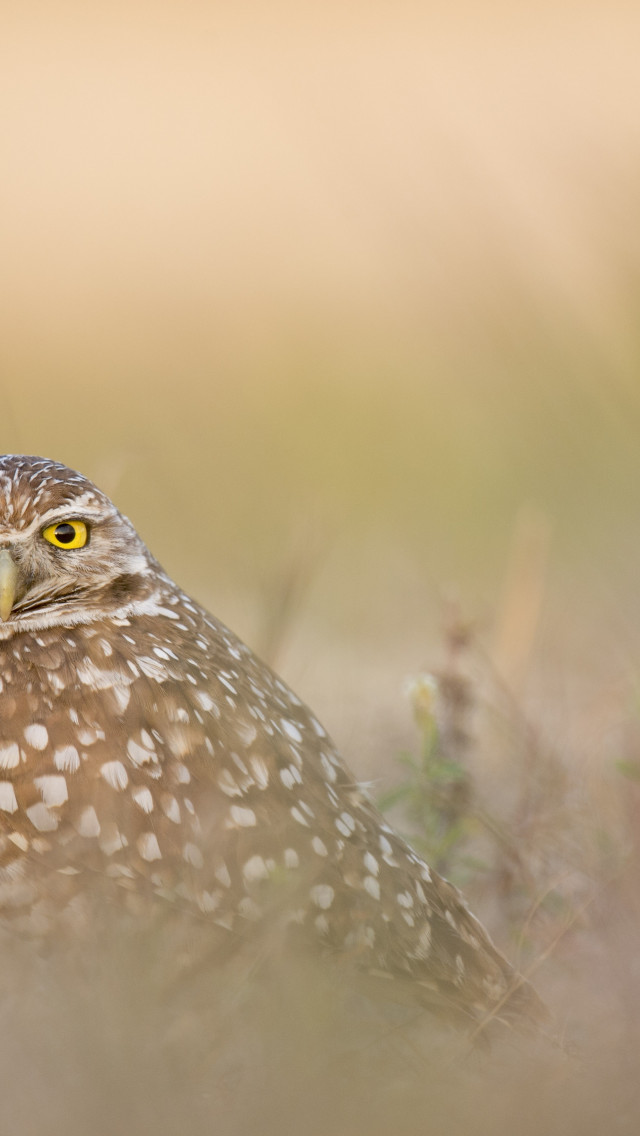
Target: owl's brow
(61, 513)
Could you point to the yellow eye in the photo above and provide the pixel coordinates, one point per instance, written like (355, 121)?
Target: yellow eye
(67, 534)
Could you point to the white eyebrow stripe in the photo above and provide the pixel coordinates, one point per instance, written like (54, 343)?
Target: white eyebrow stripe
(61, 513)
(74, 514)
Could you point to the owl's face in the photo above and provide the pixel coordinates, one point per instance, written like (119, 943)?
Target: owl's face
(67, 556)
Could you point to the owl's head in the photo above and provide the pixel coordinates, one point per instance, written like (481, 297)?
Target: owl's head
(67, 556)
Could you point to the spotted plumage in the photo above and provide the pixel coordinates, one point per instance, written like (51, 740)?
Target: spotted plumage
(146, 752)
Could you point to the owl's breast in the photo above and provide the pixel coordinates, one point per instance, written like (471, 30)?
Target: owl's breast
(129, 758)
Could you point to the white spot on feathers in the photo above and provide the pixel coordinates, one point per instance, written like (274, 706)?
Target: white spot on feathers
(115, 774)
(291, 730)
(424, 942)
(170, 807)
(37, 736)
(208, 901)
(9, 756)
(19, 840)
(53, 788)
(88, 823)
(148, 846)
(111, 840)
(228, 784)
(260, 771)
(286, 778)
(122, 696)
(204, 700)
(143, 799)
(244, 818)
(255, 869)
(371, 885)
(152, 668)
(322, 895)
(41, 818)
(297, 815)
(405, 899)
(329, 771)
(222, 875)
(193, 855)
(66, 759)
(8, 802)
(88, 736)
(138, 754)
(247, 732)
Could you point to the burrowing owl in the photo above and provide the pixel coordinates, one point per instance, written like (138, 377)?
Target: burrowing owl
(144, 748)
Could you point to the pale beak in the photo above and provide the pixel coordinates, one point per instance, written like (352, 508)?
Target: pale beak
(9, 579)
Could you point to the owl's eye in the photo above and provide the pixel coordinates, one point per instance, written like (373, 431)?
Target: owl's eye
(67, 534)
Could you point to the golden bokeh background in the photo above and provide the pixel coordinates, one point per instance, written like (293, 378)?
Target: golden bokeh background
(341, 303)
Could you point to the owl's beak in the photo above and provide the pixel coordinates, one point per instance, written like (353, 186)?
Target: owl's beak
(9, 578)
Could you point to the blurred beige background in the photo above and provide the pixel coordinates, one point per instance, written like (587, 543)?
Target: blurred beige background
(340, 302)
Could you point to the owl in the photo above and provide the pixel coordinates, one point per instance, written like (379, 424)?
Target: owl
(149, 757)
